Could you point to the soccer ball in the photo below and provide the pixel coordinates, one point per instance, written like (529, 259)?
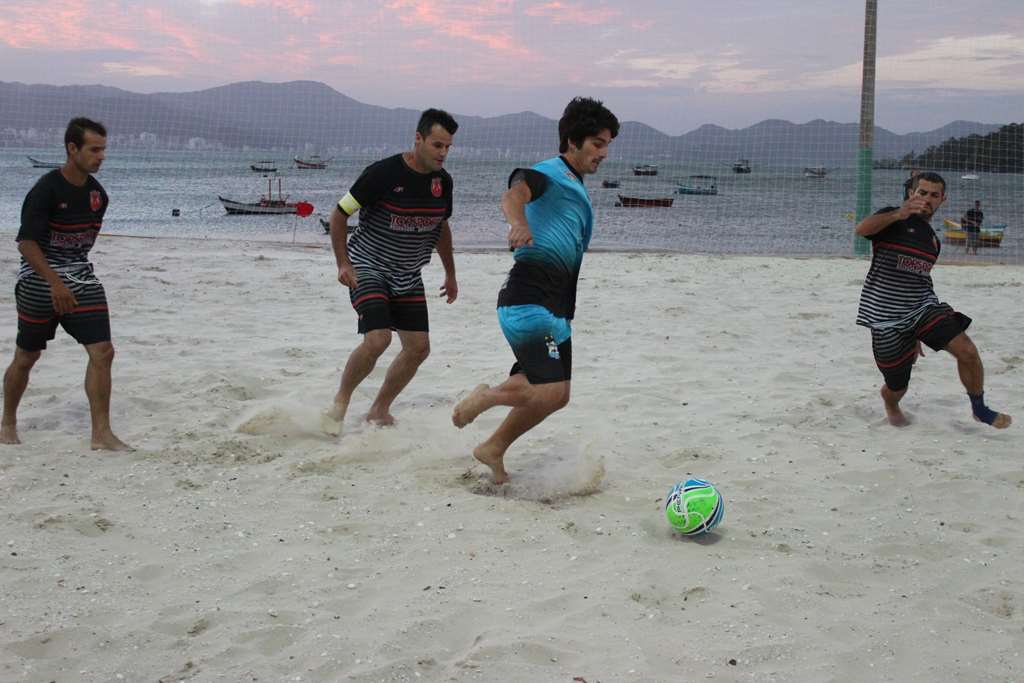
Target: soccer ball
(694, 507)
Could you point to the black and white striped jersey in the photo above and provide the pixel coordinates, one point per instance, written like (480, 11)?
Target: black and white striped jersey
(898, 287)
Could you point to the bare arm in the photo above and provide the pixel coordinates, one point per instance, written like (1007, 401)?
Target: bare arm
(513, 205)
(339, 244)
(450, 288)
(880, 221)
(63, 300)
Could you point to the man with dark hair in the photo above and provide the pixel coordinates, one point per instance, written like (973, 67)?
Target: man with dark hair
(899, 305)
(971, 223)
(550, 224)
(60, 219)
(404, 202)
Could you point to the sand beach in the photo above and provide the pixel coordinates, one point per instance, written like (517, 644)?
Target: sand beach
(239, 543)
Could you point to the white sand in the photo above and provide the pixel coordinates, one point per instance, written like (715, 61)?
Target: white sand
(239, 544)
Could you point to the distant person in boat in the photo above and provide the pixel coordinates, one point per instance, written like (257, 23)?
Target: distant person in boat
(60, 219)
(404, 203)
(970, 222)
(899, 305)
(550, 224)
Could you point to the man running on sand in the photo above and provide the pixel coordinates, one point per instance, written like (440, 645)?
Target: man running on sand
(404, 202)
(899, 303)
(550, 224)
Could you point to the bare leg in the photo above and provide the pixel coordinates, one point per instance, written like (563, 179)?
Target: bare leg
(15, 382)
(97, 388)
(360, 363)
(415, 349)
(891, 399)
(531, 404)
(972, 372)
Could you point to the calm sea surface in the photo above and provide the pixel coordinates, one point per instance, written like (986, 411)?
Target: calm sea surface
(770, 211)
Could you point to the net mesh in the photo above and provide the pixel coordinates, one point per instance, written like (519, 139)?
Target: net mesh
(771, 187)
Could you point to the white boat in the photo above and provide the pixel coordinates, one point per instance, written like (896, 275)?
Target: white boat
(267, 205)
(36, 163)
(699, 184)
(313, 163)
(969, 176)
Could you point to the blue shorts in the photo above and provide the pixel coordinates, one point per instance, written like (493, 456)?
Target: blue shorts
(541, 342)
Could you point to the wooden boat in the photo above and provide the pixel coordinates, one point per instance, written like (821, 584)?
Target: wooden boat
(815, 172)
(741, 166)
(991, 236)
(267, 205)
(36, 163)
(312, 163)
(645, 169)
(264, 167)
(699, 184)
(636, 202)
(610, 183)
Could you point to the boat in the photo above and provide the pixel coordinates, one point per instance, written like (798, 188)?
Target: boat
(645, 169)
(312, 163)
(267, 205)
(264, 167)
(991, 236)
(741, 166)
(36, 163)
(969, 176)
(699, 184)
(635, 202)
(815, 172)
(610, 183)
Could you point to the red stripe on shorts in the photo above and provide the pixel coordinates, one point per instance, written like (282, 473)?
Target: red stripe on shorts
(368, 296)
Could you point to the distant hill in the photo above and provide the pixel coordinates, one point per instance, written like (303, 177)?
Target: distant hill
(998, 152)
(305, 116)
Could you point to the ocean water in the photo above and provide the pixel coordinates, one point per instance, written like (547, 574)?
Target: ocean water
(770, 211)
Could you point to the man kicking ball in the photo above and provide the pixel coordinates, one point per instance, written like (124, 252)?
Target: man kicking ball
(550, 223)
(899, 305)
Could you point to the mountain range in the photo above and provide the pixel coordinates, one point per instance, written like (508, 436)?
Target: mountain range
(304, 116)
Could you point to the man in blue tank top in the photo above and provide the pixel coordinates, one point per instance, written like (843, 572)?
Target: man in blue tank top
(550, 223)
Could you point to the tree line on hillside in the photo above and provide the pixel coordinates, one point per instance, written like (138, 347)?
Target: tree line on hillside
(1001, 151)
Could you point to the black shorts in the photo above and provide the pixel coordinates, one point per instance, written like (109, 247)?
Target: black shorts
(534, 332)
(88, 323)
(541, 366)
(896, 350)
(380, 307)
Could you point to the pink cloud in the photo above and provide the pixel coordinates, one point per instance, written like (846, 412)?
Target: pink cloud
(73, 25)
(474, 22)
(573, 13)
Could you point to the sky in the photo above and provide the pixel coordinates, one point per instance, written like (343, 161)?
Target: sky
(673, 64)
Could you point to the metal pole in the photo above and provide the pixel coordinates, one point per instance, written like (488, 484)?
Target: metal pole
(865, 155)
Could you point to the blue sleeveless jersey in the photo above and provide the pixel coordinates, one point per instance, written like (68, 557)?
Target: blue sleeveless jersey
(562, 221)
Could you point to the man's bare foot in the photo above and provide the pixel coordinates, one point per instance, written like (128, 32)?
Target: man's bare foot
(332, 420)
(470, 407)
(495, 460)
(1002, 421)
(9, 433)
(381, 419)
(892, 411)
(106, 441)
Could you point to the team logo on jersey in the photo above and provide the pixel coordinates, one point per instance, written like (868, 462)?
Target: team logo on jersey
(435, 187)
(95, 200)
